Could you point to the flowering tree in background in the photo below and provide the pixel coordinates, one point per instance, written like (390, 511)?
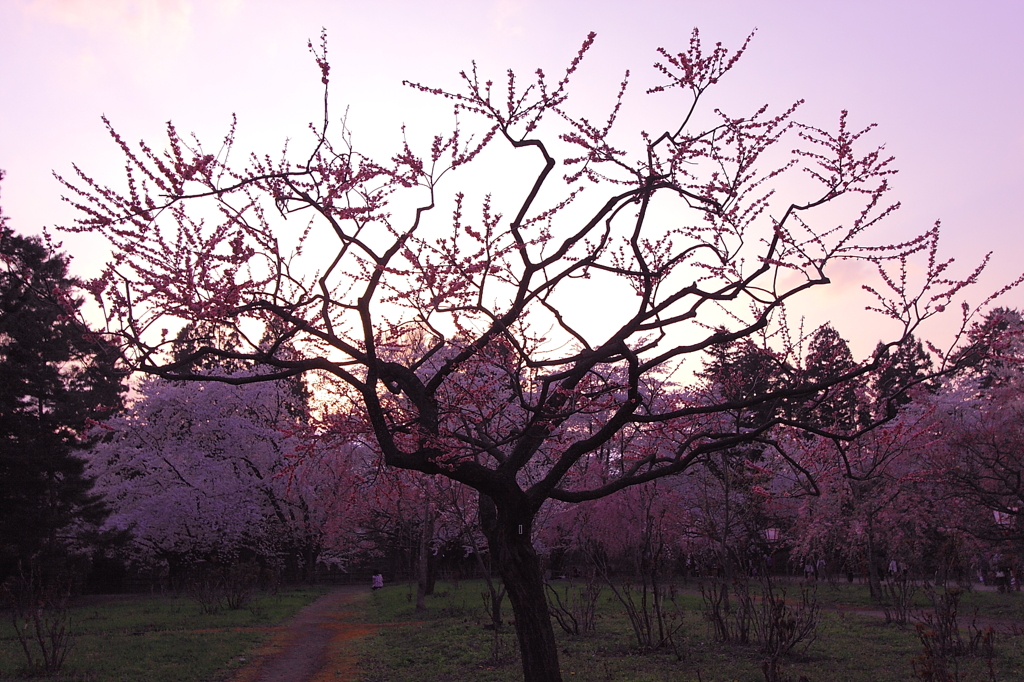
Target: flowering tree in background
(977, 466)
(982, 460)
(211, 472)
(699, 235)
(867, 512)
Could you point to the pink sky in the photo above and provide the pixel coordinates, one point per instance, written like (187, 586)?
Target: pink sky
(944, 81)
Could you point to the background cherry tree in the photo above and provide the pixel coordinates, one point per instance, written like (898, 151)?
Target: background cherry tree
(217, 472)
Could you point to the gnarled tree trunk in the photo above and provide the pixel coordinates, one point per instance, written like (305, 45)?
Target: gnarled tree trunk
(508, 535)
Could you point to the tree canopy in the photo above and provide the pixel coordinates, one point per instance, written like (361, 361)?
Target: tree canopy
(700, 235)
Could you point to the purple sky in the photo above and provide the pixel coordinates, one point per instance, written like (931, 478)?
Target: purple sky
(944, 81)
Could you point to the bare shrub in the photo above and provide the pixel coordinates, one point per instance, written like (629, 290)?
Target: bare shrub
(780, 626)
(777, 626)
(942, 642)
(41, 618)
(204, 585)
(217, 587)
(934, 663)
(898, 593)
(652, 610)
(944, 620)
(643, 585)
(241, 582)
(575, 607)
(731, 620)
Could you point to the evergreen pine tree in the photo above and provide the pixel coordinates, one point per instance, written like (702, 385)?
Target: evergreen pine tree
(56, 378)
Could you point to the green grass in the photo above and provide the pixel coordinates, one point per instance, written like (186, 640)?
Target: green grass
(449, 642)
(167, 639)
(994, 605)
(843, 595)
(158, 639)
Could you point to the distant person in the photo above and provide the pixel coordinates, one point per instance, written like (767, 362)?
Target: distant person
(378, 580)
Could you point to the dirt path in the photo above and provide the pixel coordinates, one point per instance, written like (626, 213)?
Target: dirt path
(314, 646)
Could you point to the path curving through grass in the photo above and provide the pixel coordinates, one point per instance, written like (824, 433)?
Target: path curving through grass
(315, 645)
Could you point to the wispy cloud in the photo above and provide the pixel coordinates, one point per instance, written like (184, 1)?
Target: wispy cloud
(134, 21)
(507, 16)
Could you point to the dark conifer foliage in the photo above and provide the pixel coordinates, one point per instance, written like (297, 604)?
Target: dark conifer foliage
(996, 353)
(840, 407)
(57, 378)
(905, 365)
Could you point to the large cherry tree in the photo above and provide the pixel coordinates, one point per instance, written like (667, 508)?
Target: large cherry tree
(690, 239)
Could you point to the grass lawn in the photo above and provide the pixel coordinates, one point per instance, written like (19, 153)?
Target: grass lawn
(990, 604)
(158, 639)
(450, 642)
